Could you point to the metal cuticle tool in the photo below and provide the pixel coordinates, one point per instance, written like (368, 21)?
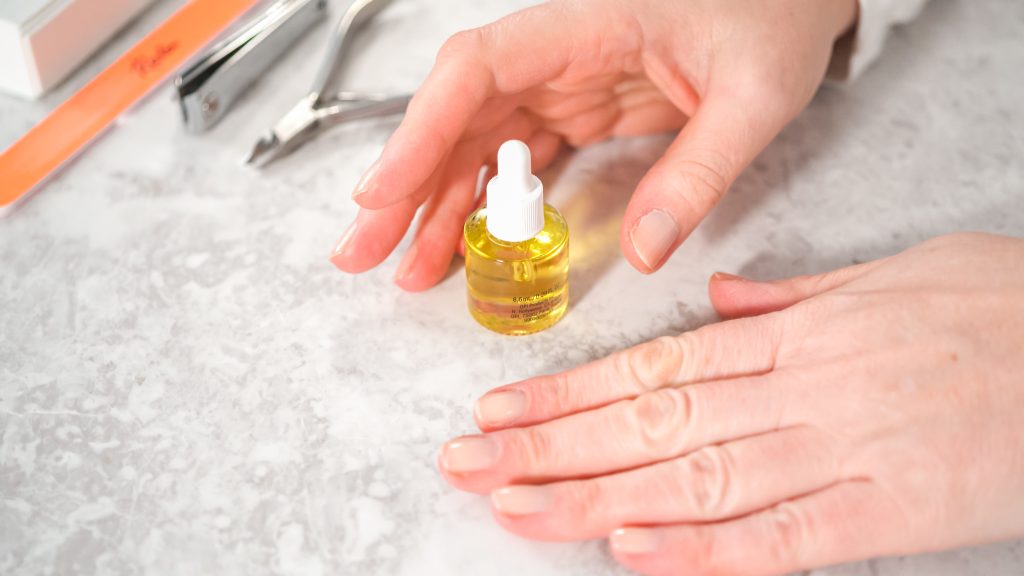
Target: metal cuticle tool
(321, 109)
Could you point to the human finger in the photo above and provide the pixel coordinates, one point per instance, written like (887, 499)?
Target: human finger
(735, 296)
(725, 350)
(713, 483)
(848, 521)
(655, 426)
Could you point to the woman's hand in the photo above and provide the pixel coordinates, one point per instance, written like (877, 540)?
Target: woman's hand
(731, 73)
(870, 411)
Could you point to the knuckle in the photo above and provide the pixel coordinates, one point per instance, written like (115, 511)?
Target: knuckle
(690, 357)
(585, 497)
(708, 475)
(653, 364)
(662, 419)
(532, 447)
(788, 530)
(702, 180)
(561, 396)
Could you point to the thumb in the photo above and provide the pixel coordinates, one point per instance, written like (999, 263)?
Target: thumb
(719, 141)
(735, 296)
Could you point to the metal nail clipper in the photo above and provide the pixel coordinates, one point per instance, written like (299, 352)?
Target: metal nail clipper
(209, 87)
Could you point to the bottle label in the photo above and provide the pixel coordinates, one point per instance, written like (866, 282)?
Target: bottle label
(527, 308)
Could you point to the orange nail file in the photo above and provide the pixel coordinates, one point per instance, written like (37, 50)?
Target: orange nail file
(84, 116)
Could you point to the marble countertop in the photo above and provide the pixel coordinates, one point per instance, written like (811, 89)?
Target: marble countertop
(187, 386)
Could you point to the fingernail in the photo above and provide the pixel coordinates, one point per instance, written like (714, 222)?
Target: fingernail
(469, 454)
(725, 277)
(341, 248)
(521, 500)
(405, 268)
(635, 540)
(502, 407)
(365, 182)
(653, 235)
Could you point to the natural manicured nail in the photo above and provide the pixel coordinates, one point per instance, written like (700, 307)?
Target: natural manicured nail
(469, 454)
(366, 182)
(498, 408)
(635, 540)
(405, 268)
(653, 236)
(341, 248)
(521, 500)
(726, 277)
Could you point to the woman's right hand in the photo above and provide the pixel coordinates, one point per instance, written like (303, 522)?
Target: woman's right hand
(730, 73)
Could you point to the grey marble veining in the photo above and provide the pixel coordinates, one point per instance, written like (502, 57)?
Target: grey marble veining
(187, 386)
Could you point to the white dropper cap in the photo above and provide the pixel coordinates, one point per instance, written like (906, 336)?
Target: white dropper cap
(515, 197)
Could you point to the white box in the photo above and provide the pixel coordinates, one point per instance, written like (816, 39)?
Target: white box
(41, 41)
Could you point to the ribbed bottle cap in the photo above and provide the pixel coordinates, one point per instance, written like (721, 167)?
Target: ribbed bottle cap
(515, 197)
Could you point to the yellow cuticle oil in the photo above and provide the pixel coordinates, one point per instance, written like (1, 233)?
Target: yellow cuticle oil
(517, 251)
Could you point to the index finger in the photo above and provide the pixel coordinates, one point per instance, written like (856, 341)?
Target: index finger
(517, 52)
(732, 349)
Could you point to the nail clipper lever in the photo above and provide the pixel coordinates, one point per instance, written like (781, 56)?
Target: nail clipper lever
(208, 88)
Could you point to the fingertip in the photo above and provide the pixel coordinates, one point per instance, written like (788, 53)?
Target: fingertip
(501, 408)
(533, 511)
(633, 541)
(630, 254)
(404, 274)
(345, 256)
(722, 291)
(466, 463)
(357, 257)
(363, 191)
(369, 241)
(408, 164)
(364, 199)
(422, 269)
(726, 277)
(522, 500)
(413, 284)
(371, 199)
(341, 263)
(736, 297)
(644, 246)
(352, 264)
(641, 549)
(680, 189)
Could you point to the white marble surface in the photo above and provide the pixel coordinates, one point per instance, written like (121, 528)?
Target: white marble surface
(187, 386)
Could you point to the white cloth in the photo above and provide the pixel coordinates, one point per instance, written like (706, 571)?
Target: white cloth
(855, 52)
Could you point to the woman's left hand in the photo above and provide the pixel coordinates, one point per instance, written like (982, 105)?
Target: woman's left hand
(870, 411)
